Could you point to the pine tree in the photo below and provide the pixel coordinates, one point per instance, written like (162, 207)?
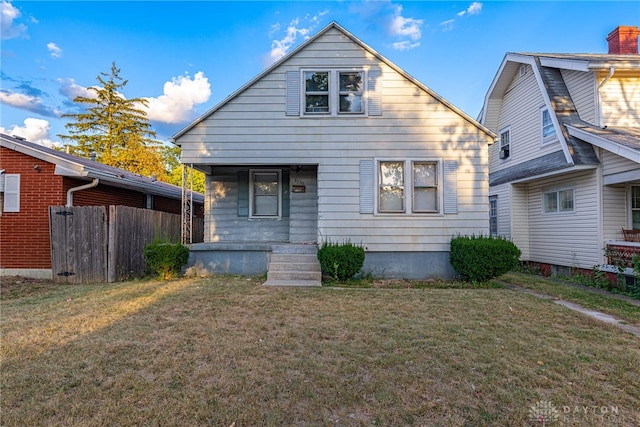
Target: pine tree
(116, 129)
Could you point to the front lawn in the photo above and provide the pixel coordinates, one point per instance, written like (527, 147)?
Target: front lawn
(219, 351)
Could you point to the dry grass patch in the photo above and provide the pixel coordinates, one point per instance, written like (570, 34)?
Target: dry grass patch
(218, 351)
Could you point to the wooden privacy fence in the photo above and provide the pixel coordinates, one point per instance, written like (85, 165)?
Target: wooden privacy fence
(87, 246)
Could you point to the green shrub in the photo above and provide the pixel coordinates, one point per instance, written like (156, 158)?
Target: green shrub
(481, 258)
(166, 258)
(341, 261)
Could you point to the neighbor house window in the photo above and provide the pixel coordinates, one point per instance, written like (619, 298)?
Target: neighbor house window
(333, 92)
(548, 130)
(505, 144)
(493, 215)
(558, 201)
(635, 207)
(265, 193)
(399, 188)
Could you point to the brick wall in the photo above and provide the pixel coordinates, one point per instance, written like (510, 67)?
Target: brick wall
(24, 235)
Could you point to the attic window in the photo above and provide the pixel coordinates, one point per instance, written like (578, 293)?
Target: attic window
(333, 92)
(523, 70)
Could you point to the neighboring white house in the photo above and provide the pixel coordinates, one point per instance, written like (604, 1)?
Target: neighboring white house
(565, 170)
(335, 143)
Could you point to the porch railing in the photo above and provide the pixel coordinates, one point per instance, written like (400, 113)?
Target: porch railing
(620, 253)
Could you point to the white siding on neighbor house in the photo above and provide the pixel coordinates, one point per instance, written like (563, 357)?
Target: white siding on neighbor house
(613, 163)
(615, 207)
(253, 128)
(569, 239)
(582, 87)
(519, 220)
(520, 112)
(621, 100)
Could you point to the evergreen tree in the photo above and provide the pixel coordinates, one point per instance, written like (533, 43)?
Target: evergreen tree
(116, 129)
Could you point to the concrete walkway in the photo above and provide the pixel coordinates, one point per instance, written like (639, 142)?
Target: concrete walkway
(603, 317)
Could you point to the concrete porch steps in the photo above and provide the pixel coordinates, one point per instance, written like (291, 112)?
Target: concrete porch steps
(294, 265)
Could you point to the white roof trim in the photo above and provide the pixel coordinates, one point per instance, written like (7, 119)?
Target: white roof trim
(604, 143)
(565, 64)
(622, 177)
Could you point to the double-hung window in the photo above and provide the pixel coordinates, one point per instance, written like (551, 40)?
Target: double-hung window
(548, 130)
(316, 92)
(558, 201)
(399, 188)
(265, 194)
(333, 92)
(505, 144)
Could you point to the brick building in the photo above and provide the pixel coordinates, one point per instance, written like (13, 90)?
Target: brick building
(34, 177)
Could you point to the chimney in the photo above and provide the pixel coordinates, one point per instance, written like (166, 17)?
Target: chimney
(623, 40)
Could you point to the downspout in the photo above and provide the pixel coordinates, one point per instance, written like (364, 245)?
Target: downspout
(606, 79)
(70, 191)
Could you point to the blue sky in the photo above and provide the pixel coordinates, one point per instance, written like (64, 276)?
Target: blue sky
(186, 57)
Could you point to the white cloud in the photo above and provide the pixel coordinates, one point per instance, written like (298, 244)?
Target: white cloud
(404, 45)
(181, 95)
(70, 89)
(9, 28)
(34, 130)
(55, 51)
(293, 34)
(447, 25)
(405, 27)
(27, 102)
(475, 8)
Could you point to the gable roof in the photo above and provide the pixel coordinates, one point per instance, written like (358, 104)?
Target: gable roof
(547, 68)
(336, 26)
(78, 167)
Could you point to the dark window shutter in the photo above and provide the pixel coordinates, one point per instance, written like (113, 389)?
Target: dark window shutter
(292, 98)
(285, 193)
(366, 186)
(243, 193)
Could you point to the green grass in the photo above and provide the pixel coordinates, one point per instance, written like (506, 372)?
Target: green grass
(589, 298)
(224, 350)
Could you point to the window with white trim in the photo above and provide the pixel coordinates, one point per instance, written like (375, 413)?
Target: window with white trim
(265, 193)
(548, 130)
(505, 144)
(558, 201)
(333, 92)
(399, 188)
(635, 207)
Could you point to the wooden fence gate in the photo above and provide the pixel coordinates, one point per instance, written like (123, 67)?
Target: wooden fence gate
(89, 246)
(78, 243)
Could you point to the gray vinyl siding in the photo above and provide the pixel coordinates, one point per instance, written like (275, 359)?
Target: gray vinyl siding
(303, 220)
(621, 100)
(582, 87)
(222, 222)
(254, 128)
(569, 239)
